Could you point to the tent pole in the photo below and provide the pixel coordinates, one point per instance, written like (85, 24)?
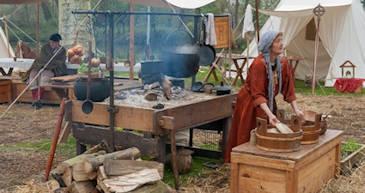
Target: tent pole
(7, 34)
(257, 20)
(318, 12)
(131, 42)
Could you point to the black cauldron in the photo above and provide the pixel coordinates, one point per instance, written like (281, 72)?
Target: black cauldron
(182, 61)
(99, 89)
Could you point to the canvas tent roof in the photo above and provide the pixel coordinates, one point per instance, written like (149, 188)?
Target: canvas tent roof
(185, 4)
(341, 30)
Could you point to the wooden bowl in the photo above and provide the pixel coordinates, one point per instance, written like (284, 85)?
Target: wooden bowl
(278, 142)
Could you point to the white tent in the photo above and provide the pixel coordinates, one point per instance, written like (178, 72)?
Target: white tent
(185, 4)
(6, 51)
(341, 34)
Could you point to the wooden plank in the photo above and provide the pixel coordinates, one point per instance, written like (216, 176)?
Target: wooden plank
(199, 113)
(312, 156)
(306, 150)
(222, 31)
(126, 117)
(49, 97)
(262, 161)
(66, 78)
(322, 170)
(254, 179)
(234, 177)
(291, 181)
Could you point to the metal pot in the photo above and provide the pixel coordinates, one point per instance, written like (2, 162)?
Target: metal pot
(99, 89)
(182, 62)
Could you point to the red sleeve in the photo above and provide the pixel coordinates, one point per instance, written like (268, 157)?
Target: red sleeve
(257, 83)
(288, 87)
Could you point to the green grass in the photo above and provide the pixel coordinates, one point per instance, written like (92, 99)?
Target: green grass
(196, 169)
(350, 146)
(66, 149)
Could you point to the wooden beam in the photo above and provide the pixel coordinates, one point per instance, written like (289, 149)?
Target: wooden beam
(257, 5)
(131, 41)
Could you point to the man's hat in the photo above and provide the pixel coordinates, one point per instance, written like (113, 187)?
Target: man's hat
(55, 37)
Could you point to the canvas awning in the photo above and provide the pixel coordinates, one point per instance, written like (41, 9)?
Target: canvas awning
(184, 4)
(299, 8)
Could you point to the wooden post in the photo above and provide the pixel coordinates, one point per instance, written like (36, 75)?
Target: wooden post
(257, 5)
(37, 26)
(131, 42)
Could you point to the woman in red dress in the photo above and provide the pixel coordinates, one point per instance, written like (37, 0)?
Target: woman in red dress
(268, 75)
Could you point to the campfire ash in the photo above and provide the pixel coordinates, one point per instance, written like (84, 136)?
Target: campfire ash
(137, 96)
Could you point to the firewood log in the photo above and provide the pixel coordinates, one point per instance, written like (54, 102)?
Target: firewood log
(124, 167)
(127, 154)
(83, 187)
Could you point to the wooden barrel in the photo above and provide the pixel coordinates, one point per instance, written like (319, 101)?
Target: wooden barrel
(277, 142)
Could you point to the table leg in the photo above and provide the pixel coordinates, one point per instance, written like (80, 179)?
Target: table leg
(80, 148)
(2, 71)
(174, 158)
(226, 127)
(238, 71)
(212, 70)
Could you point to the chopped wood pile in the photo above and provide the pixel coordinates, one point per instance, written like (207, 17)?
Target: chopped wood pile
(122, 171)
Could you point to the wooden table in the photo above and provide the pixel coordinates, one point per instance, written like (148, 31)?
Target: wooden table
(239, 68)
(293, 63)
(94, 127)
(305, 171)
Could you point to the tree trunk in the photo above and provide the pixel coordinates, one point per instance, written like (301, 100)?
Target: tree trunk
(236, 6)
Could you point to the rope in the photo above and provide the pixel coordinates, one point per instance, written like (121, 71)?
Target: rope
(30, 83)
(18, 28)
(16, 35)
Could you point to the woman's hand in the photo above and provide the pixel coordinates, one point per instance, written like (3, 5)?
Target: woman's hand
(299, 113)
(296, 110)
(273, 120)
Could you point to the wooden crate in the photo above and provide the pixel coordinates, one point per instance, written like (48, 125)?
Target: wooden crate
(306, 171)
(5, 91)
(50, 96)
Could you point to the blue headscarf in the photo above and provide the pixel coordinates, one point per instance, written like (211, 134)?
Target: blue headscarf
(265, 48)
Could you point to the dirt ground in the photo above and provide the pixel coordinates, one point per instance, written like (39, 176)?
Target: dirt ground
(24, 124)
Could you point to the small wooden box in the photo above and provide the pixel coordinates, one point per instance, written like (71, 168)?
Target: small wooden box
(305, 171)
(5, 91)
